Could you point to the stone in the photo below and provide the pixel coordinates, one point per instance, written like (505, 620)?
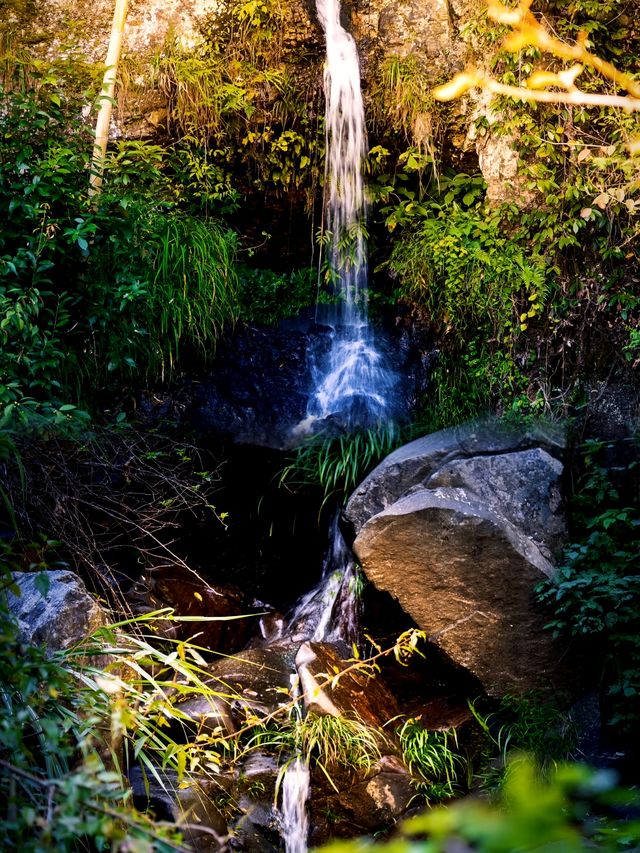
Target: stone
(64, 616)
(466, 575)
(254, 683)
(354, 693)
(189, 595)
(412, 465)
(193, 802)
(257, 390)
(523, 487)
(361, 805)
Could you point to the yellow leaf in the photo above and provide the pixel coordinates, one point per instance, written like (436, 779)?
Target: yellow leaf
(567, 78)
(523, 326)
(583, 155)
(460, 84)
(586, 212)
(542, 79)
(602, 200)
(197, 595)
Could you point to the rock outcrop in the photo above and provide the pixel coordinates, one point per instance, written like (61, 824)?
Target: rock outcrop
(432, 34)
(54, 609)
(459, 527)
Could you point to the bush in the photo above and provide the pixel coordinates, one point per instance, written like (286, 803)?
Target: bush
(595, 590)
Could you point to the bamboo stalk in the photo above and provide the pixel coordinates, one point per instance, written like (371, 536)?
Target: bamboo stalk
(103, 119)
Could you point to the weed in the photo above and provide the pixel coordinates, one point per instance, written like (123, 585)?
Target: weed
(338, 463)
(431, 756)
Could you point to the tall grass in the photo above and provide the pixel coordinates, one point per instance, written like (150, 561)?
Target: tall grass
(338, 463)
(431, 756)
(194, 289)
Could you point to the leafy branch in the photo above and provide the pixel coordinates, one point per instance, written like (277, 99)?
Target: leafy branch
(545, 86)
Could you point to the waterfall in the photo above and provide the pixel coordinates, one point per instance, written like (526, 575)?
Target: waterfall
(354, 384)
(295, 790)
(329, 612)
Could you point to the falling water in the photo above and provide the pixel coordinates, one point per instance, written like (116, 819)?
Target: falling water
(329, 612)
(354, 384)
(295, 790)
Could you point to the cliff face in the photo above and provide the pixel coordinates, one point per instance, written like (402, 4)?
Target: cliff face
(431, 36)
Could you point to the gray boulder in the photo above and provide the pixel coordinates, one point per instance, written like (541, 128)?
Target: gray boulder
(413, 464)
(60, 618)
(523, 487)
(459, 527)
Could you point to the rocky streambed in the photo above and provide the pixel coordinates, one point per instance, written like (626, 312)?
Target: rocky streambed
(452, 532)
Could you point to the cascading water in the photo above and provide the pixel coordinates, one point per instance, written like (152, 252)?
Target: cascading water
(295, 790)
(328, 613)
(354, 385)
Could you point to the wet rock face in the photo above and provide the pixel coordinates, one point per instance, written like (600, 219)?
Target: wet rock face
(257, 391)
(429, 32)
(227, 622)
(459, 527)
(352, 693)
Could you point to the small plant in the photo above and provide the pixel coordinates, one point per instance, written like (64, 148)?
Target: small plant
(338, 463)
(327, 742)
(431, 756)
(527, 725)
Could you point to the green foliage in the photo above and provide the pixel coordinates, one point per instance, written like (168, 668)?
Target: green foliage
(528, 724)
(328, 742)
(121, 286)
(401, 102)
(338, 463)
(170, 285)
(58, 789)
(595, 591)
(574, 810)
(470, 270)
(470, 274)
(573, 160)
(239, 99)
(430, 756)
(268, 297)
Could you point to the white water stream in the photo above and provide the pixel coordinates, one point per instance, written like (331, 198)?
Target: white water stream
(295, 790)
(328, 613)
(354, 383)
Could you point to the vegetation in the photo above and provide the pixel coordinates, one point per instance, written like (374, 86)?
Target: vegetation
(594, 593)
(105, 295)
(338, 463)
(433, 758)
(530, 815)
(66, 749)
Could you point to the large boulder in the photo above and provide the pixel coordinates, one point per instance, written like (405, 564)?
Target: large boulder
(413, 464)
(54, 609)
(459, 527)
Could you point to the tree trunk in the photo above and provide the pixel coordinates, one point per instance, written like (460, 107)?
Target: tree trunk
(106, 96)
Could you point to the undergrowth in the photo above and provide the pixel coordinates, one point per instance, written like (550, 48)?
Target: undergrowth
(594, 592)
(337, 464)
